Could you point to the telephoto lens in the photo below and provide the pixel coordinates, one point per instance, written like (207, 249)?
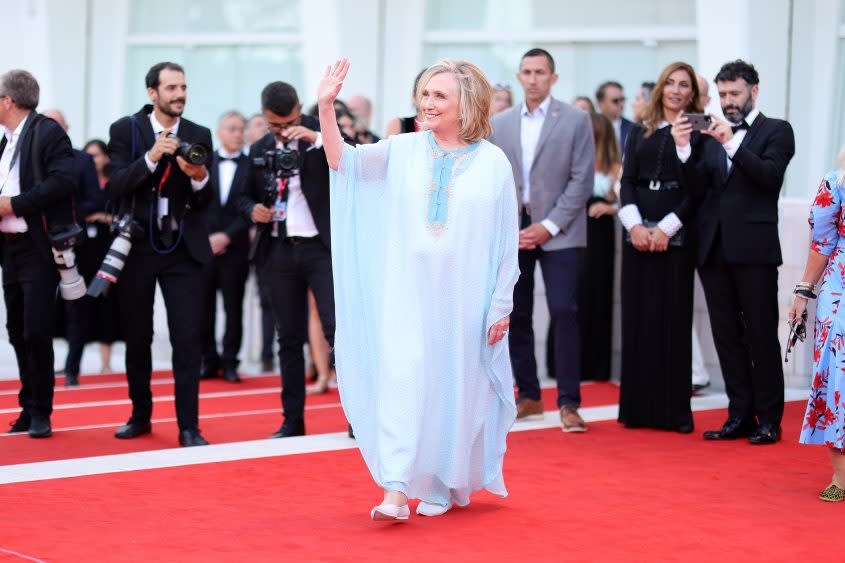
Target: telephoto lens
(63, 239)
(115, 259)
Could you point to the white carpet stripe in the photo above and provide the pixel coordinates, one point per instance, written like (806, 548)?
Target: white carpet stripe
(178, 457)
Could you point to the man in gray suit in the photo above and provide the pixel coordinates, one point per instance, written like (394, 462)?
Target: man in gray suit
(550, 147)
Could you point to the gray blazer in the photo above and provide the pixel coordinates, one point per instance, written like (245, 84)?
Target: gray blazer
(563, 169)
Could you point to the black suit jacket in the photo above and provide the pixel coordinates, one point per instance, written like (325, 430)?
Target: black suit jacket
(227, 218)
(314, 180)
(52, 195)
(131, 177)
(89, 197)
(742, 203)
(624, 128)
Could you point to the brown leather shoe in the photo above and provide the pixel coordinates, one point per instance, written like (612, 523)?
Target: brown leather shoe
(571, 420)
(529, 409)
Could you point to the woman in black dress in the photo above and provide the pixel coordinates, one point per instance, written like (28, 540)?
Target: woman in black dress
(595, 292)
(658, 263)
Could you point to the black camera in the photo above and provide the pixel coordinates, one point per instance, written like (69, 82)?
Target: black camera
(63, 239)
(283, 163)
(195, 153)
(127, 228)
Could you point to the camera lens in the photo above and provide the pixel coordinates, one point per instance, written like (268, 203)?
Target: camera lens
(194, 153)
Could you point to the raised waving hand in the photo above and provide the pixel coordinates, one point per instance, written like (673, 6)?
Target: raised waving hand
(327, 91)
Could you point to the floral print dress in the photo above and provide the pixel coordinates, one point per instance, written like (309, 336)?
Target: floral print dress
(824, 421)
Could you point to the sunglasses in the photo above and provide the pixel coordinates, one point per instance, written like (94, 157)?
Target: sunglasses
(797, 331)
(618, 101)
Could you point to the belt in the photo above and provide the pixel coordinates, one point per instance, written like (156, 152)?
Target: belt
(299, 240)
(659, 185)
(15, 237)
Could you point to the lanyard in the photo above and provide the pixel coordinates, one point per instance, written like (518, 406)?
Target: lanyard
(283, 184)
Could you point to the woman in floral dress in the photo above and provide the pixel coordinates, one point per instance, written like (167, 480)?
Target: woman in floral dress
(824, 421)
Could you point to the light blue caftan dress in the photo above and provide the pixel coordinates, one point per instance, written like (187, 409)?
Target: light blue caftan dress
(424, 250)
(824, 419)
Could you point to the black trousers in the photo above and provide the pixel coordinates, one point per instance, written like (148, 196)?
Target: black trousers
(268, 323)
(743, 306)
(561, 274)
(29, 289)
(226, 273)
(288, 273)
(180, 279)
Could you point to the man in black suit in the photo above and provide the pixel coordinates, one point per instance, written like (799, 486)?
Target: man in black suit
(36, 181)
(739, 178)
(293, 243)
(228, 234)
(78, 313)
(611, 101)
(167, 196)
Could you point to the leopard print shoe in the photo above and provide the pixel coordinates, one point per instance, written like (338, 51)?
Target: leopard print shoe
(832, 494)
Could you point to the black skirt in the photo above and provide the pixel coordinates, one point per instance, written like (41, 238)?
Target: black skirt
(657, 311)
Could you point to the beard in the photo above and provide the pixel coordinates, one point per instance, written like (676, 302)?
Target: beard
(167, 108)
(737, 114)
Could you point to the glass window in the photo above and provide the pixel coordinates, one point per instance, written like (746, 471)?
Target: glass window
(245, 71)
(581, 66)
(213, 16)
(839, 103)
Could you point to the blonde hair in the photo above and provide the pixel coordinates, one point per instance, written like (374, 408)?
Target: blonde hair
(475, 95)
(840, 158)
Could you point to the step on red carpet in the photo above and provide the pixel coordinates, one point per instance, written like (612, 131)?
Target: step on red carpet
(608, 495)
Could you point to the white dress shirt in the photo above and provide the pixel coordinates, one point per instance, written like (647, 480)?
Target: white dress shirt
(157, 129)
(529, 132)
(226, 169)
(10, 179)
(300, 222)
(617, 128)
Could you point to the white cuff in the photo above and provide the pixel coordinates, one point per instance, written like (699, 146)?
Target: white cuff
(731, 146)
(630, 216)
(670, 225)
(319, 141)
(684, 152)
(551, 227)
(197, 186)
(150, 164)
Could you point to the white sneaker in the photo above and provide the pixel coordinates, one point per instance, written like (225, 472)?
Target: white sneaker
(386, 511)
(432, 509)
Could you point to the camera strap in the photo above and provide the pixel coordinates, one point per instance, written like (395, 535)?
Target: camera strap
(37, 172)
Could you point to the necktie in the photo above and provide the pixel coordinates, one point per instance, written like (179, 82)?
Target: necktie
(737, 127)
(227, 158)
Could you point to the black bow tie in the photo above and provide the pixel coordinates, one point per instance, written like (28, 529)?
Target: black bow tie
(743, 125)
(222, 158)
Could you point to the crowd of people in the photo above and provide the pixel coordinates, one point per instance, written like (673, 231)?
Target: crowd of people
(692, 191)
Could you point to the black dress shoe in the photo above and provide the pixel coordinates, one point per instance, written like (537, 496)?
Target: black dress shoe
(696, 387)
(267, 366)
(133, 429)
(685, 429)
(209, 371)
(288, 430)
(191, 438)
(733, 428)
(71, 380)
(766, 434)
(230, 374)
(351, 433)
(19, 425)
(40, 427)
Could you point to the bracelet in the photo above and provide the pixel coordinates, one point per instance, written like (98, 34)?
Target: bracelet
(805, 293)
(804, 285)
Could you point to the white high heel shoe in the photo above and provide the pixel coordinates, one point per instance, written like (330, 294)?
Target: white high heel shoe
(432, 509)
(386, 511)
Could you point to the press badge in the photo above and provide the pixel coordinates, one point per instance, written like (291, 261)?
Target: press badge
(280, 211)
(92, 231)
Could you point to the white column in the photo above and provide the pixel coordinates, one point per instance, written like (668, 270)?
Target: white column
(320, 43)
(107, 66)
(404, 23)
(723, 35)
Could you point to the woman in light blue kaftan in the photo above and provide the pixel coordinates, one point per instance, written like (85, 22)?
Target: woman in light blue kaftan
(424, 246)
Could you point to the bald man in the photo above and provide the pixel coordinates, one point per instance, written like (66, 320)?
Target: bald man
(703, 91)
(362, 109)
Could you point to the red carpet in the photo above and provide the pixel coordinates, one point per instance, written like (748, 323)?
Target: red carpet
(324, 414)
(609, 495)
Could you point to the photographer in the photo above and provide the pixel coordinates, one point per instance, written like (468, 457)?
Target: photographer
(165, 195)
(287, 195)
(36, 181)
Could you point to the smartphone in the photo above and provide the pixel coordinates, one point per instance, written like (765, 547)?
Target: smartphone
(699, 121)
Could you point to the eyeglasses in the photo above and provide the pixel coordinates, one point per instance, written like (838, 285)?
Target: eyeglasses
(797, 331)
(276, 127)
(619, 100)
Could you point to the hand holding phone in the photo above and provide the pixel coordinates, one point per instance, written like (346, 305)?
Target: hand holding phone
(699, 121)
